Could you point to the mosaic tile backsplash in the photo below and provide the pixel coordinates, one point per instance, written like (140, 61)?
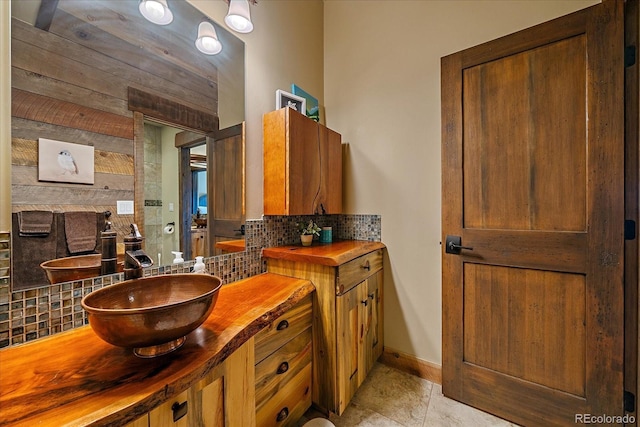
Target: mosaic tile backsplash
(37, 313)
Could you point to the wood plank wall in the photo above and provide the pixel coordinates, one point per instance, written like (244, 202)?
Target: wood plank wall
(71, 84)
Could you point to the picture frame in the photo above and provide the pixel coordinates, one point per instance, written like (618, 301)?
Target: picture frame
(60, 161)
(286, 99)
(312, 106)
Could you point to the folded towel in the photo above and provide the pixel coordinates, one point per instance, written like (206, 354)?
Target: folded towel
(27, 252)
(80, 231)
(34, 223)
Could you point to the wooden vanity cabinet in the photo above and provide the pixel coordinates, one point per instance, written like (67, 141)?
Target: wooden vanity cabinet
(347, 323)
(224, 397)
(302, 165)
(198, 242)
(283, 367)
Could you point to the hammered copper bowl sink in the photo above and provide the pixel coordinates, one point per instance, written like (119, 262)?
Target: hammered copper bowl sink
(152, 315)
(75, 267)
(72, 268)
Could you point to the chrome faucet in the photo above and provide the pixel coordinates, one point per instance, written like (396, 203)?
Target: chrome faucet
(134, 259)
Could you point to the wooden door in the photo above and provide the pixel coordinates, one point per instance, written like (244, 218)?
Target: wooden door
(532, 127)
(225, 155)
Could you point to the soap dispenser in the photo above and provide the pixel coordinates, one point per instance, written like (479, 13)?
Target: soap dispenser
(199, 266)
(109, 259)
(177, 257)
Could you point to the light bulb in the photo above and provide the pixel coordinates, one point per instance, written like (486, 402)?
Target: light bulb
(207, 41)
(156, 11)
(239, 16)
(238, 22)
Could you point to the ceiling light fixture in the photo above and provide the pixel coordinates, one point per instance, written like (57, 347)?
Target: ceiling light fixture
(239, 17)
(207, 41)
(156, 11)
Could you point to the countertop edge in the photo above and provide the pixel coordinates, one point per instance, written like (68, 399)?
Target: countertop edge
(328, 254)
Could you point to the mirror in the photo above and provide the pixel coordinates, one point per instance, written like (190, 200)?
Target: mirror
(200, 180)
(78, 69)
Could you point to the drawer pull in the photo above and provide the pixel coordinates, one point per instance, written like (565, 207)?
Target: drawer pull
(284, 367)
(179, 410)
(283, 414)
(282, 325)
(372, 295)
(365, 302)
(367, 266)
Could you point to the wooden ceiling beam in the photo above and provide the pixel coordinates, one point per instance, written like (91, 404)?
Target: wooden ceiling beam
(45, 14)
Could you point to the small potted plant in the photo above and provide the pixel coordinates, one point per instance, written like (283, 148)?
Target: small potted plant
(307, 231)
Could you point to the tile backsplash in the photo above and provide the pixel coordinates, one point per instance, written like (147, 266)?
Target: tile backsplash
(35, 313)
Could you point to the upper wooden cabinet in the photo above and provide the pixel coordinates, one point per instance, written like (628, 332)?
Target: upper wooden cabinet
(302, 165)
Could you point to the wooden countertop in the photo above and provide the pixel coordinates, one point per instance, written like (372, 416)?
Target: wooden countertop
(330, 254)
(75, 378)
(231, 245)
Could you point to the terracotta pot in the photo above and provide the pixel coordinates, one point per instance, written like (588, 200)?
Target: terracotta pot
(306, 239)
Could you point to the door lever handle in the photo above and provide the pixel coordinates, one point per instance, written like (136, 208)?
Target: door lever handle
(453, 245)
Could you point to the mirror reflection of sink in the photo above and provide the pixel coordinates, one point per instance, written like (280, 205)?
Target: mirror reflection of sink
(152, 315)
(75, 267)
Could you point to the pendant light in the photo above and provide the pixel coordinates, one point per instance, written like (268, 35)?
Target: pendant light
(239, 17)
(156, 11)
(207, 41)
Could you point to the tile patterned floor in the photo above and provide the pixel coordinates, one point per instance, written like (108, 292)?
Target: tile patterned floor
(391, 398)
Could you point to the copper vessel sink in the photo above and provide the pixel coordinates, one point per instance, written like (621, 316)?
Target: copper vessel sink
(75, 267)
(152, 315)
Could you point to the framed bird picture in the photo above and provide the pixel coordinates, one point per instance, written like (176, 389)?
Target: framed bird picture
(65, 162)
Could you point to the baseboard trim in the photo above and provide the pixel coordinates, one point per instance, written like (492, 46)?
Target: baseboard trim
(412, 365)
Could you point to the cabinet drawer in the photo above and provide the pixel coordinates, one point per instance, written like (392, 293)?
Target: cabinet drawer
(353, 272)
(289, 403)
(283, 329)
(274, 372)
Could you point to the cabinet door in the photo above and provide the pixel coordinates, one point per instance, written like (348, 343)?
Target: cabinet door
(302, 165)
(330, 195)
(198, 242)
(201, 407)
(143, 421)
(350, 332)
(163, 415)
(372, 320)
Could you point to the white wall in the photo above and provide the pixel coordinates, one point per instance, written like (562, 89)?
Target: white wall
(382, 92)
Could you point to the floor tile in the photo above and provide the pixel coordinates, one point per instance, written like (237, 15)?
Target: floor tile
(392, 398)
(395, 394)
(447, 412)
(357, 415)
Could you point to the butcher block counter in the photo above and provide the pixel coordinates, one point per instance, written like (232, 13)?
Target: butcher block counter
(75, 378)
